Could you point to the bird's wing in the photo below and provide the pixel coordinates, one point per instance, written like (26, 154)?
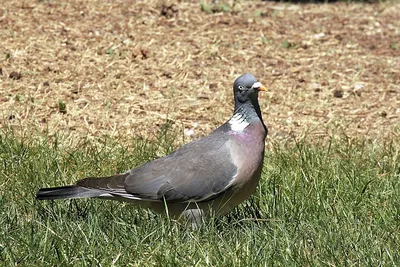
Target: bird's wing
(198, 171)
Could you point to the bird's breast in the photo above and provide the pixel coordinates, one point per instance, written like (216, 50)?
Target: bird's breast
(247, 151)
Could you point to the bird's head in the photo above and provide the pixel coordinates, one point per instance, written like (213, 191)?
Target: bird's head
(246, 87)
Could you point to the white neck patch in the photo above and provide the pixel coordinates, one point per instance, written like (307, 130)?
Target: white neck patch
(238, 123)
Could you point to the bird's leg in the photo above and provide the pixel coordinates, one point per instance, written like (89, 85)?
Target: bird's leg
(193, 217)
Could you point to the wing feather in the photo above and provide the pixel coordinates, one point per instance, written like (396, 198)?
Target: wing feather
(198, 171)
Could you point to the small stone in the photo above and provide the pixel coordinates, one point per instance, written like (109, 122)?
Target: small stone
(188, 132)
(15, 75)
(145, 53)
(169, 11)
(338, 93)
(358, 86)
(319, 35)
(338, 37)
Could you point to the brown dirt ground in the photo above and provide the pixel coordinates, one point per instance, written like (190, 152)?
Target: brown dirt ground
(124, 67)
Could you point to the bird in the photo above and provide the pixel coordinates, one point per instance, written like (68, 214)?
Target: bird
(206, 177)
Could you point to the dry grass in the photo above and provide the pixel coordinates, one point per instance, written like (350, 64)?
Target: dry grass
(123, 67)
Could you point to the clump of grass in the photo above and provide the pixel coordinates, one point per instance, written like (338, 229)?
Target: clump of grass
(286, 44)
(333, 203)
(62, 107)
(216, 7)
(394, 46)
(19, 98)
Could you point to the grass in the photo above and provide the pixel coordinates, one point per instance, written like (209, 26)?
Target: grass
(319, 204)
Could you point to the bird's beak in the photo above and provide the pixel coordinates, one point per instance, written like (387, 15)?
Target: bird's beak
(259, 86)
(263, 88)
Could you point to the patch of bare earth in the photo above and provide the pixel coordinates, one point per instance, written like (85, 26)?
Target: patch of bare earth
(89, 68)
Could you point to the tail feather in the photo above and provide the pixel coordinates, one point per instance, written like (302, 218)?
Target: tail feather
(65, 192)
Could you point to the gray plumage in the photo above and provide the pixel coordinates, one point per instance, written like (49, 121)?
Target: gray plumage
(209, 175)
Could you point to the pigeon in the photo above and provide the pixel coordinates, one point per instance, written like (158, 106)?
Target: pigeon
(206, 177)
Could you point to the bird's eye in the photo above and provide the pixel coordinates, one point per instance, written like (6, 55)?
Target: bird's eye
(241, 87)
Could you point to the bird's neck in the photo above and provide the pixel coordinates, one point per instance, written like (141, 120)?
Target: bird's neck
(244, 114)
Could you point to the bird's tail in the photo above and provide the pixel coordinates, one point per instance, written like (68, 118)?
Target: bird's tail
(65, 192)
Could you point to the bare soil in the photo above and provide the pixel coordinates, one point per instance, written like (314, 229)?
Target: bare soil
(92, 68)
